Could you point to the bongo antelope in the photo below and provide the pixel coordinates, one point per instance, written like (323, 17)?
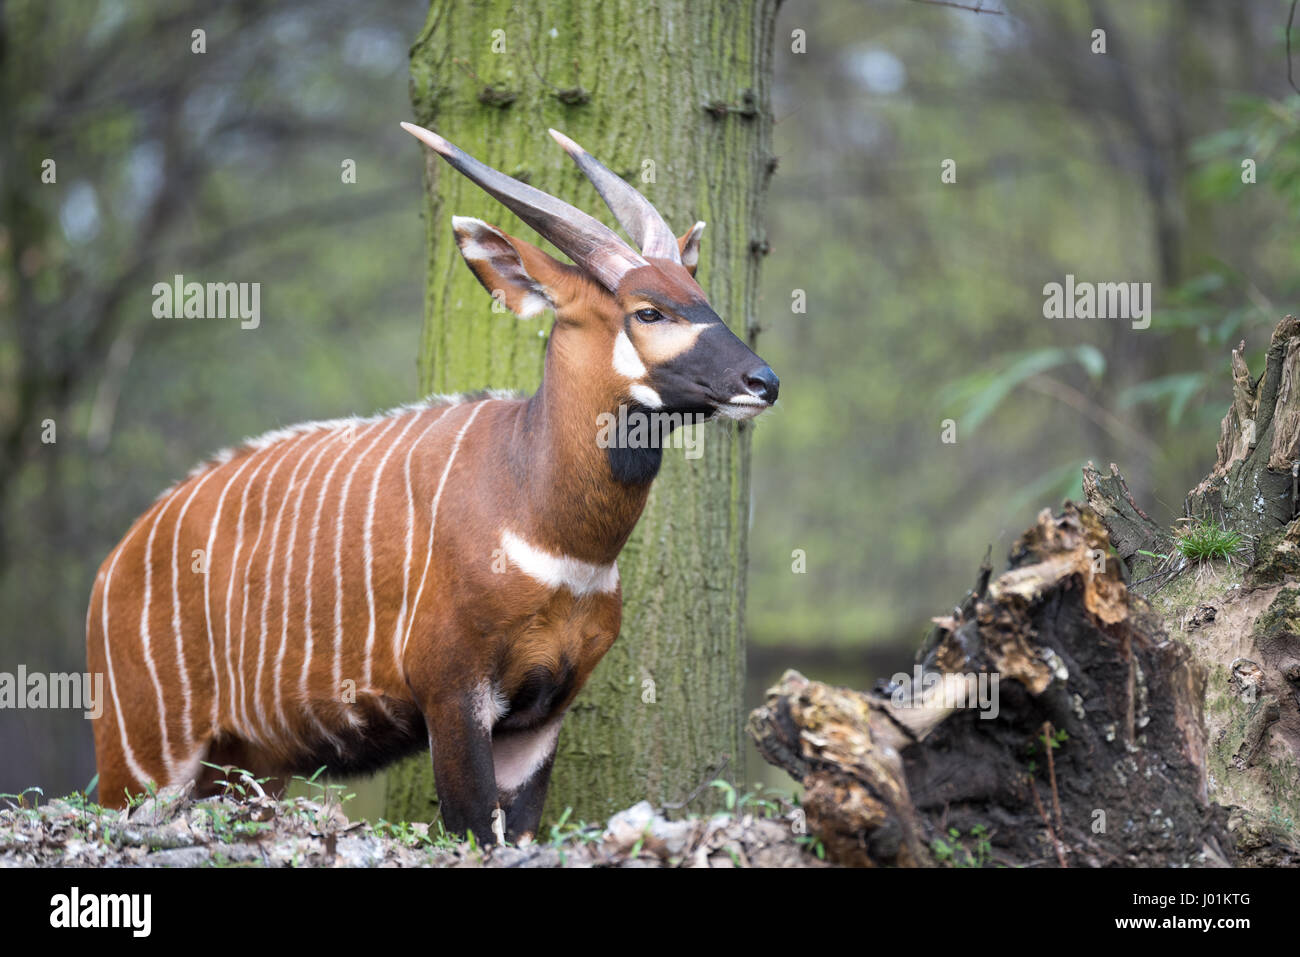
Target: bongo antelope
(344, 593)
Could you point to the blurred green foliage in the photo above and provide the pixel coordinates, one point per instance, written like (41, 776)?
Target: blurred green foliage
(924, 298)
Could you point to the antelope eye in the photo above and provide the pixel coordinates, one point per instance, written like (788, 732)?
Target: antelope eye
(649, 315)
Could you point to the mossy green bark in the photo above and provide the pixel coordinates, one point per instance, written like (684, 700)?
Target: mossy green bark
(674, 96)
(1253, 619)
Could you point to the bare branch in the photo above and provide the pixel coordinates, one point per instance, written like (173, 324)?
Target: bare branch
(978, 8)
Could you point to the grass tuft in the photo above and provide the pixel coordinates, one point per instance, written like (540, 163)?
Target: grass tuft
(1207, 542)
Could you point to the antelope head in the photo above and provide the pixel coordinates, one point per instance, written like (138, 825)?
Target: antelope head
(640, 307)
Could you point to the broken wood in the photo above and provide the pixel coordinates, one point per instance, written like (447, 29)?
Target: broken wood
(1084, 707)
(929, 767)
(1252, 487)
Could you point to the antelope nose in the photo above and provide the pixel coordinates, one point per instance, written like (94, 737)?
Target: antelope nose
(763, 384)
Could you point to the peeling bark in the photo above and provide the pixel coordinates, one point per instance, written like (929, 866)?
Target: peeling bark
(1251, 488)
(1131, 530)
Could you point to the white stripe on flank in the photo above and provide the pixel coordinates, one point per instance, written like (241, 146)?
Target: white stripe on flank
(337, 691)
(176, 615)
(410, 545)
(288, 568)
(320, 448)
(304, 690)
(559, 571)
(234, 566)
(369, 549)
(433, 516)
(246, 725)
(132, 765)
(264, 717)
(146, 640)
(207, 582)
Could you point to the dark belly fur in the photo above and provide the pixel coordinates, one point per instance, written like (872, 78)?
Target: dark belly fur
(376, 743)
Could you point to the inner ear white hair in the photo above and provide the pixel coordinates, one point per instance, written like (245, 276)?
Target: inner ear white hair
(480, 241)
(691, 248)
(496, 263)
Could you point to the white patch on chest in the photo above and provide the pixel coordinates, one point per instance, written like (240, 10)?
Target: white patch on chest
(559, 571)
(520, 755)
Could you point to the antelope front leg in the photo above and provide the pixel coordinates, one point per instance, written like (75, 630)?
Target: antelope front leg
(462, 767)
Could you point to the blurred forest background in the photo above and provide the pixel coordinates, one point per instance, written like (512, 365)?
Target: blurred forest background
(924, 299)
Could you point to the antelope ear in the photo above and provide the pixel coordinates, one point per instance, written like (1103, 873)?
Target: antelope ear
(516, 273)
(689, 247)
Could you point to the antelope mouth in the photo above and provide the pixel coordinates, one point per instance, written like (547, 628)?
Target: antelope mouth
(741, 407)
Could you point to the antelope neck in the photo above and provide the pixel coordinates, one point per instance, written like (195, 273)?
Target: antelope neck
(577, 504)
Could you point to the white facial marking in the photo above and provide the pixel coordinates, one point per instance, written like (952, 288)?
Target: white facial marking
(626, 361)
(519, 756)
(735, 410)
(559, 571)
(646, 395)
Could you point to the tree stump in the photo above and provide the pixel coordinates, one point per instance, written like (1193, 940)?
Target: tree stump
(1051, 722)
(1252, 487)
(1145, 706)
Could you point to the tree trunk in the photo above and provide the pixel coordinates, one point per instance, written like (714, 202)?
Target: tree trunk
(675, 98)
